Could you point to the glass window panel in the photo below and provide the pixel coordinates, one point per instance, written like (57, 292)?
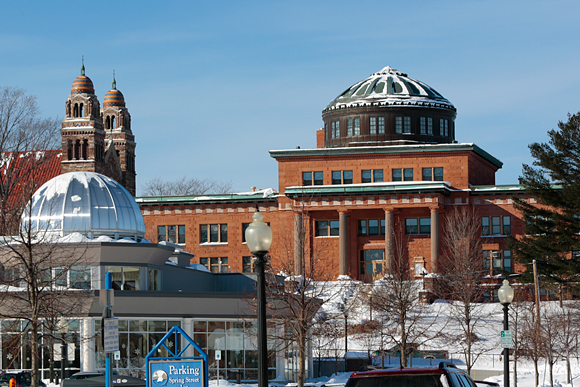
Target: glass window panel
(223, 233)
(398, 124)
(378, 175)
(181, 234)
(382, 226)
(171, 234)
(485, 225)
(138, 325)
(357, 126)
(60, 277)
(411, 226)
(123, 325)
(131, 278)
(306, 178)
(214, 233)
(321, 228)
(349, 127)
(427, 174)
(429, 125)
(347, 177)
(200, 326)
(373, 227)
(423, 125)
(80, 277)
(425, 226)
(381, 125)
(318, 178)
(407, 125)
(397, 174)
(137, 350)
(366, 176)
(495, 225)
(336, 177)
(438, 174)
(373, 125)
(506, 225)
(117, 276)
(203, 233)
(161, 234)
(408, 174)
(216, 326)
(362, 227)
(334, 227)
(157, 326)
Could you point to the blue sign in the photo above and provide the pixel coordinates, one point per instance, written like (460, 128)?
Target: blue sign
(175, 369)
(177, 373)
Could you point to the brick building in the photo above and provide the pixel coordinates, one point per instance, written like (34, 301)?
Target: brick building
(386, 168)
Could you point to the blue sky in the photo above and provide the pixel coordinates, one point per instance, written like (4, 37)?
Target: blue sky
(212, 86)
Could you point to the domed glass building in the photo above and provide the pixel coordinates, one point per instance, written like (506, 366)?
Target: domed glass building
(87, 203)
(388, 108)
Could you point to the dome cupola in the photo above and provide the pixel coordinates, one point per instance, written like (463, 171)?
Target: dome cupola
(114, 97)
(82, 84)
(388, 108)
(87, 203)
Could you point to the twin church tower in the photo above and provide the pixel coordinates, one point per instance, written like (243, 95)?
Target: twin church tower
(96, 139)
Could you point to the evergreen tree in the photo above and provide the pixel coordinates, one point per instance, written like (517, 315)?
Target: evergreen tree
(552, 225)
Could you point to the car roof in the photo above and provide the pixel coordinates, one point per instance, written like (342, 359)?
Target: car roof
(406, 371)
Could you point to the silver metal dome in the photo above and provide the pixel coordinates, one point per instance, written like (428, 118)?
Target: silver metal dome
(390, 87)
(87, 203)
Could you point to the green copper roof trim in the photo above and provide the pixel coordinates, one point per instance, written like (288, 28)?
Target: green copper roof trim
(205, 199)
(395, 149)
(366, 189)
(502, 189)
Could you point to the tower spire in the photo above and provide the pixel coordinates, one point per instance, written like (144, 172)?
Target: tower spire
(114, 81)
(83, 66)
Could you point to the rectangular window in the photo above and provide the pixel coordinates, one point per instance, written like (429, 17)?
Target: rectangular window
(398, 124)
(397, 174)
(215, 264)
(506, 223)
(443, 127)
(418, 226)
(496, 225)
(362, 227)
(341, 177)
(125, 277)
(507, 261)
(172, 234)
(407, 125)
(432, 174)
(371, 175)
(372, 262)
(371, 226)
(327, 228)
(337, 129)
(218, 233)
(366, 176)
(430, 126)
(357, 126)
(485, 230)
(411, 226)
(332, 128)
(349, 127)
(423, 125)
(499, 261)
(486, 259)
(307, 178)
(408, 174)
(381, 125)
(247, 264)
(373, 125)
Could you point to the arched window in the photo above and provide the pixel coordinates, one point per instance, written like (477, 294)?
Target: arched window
(77, 149)
(69, 150)
(112, 122)
(85, 146)
(76, 110)
(81, 110)
(108, 123)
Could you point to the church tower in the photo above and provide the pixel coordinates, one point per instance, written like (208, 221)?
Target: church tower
(117, 124)
(95, 139)
(83, 136)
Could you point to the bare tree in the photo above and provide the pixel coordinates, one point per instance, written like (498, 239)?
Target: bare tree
(306, 289)
(461, 268)
(185, 186)
(409, 323)
(566, 334)
(25, 139)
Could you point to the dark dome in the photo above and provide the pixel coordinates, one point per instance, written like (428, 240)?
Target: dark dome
(114, 98)
(388, 108)
(82, 84)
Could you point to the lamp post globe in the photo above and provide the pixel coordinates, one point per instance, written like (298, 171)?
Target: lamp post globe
(505, 293)
(259, 239)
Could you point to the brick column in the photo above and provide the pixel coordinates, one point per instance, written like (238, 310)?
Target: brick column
(389, 235)
(299, 242)
(434, 239)
(343, 243)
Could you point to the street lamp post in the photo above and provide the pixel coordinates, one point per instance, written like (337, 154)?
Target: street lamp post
(345, 332)
(62, 327)
(259, 239)
(370, 305)
(506, 296)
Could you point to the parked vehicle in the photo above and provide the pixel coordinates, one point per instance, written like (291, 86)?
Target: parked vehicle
(23, 379)
(446, 374)
(89, 374)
